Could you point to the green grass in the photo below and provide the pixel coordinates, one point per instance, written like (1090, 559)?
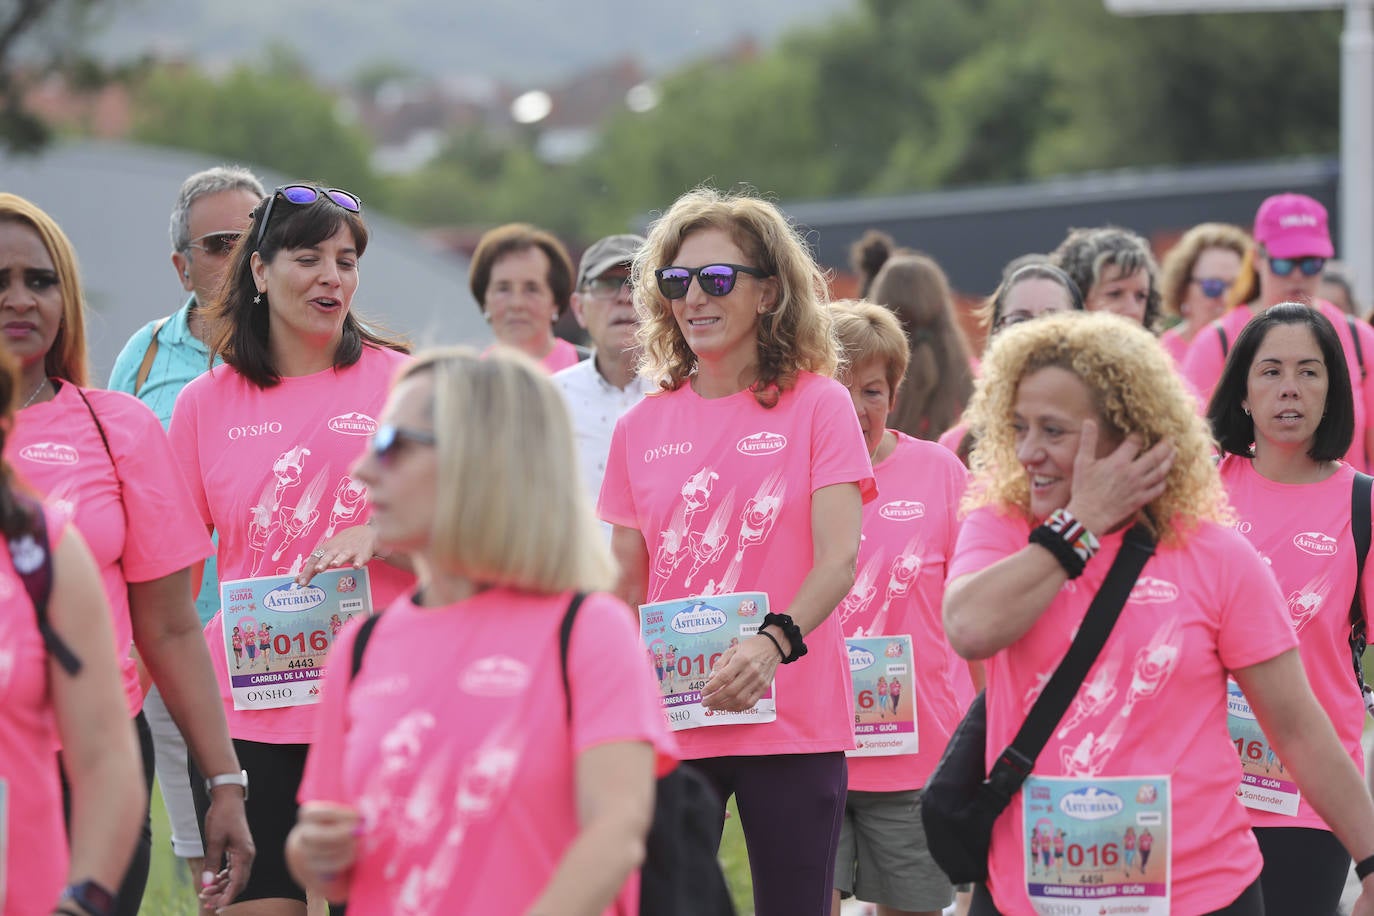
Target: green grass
(734, 858)
(169, 891)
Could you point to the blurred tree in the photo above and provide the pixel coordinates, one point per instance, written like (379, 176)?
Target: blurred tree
(274, 116)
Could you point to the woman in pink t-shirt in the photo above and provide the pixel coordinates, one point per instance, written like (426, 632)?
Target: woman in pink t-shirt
(1195, 280)
(1085, 430)
(746, 473)
(44, 700)
(1283, 415)
(262, 442)
(522, 279)
(454, 773)
(102, 458)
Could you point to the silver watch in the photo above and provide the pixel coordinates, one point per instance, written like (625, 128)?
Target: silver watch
(229, 779)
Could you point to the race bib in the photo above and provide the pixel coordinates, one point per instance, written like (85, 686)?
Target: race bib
(1265, 784)
(277, 634)
(685, 638)
(884, 696)
(1094, 842)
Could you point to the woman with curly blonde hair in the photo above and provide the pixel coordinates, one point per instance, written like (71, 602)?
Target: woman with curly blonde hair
(746, 473)
(1086, 429)
(1196, 278)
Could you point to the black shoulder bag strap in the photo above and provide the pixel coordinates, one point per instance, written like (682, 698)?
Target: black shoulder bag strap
(1359, 530)
(31, 554)
(564, 641)
(360, 645)
(1016, 762)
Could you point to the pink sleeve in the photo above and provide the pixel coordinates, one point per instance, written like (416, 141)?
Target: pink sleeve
(184, 437)
(323, 777)
(616, 504)
(984, 538)
(958, 483)
(951, 437)
(614, 697)
(1202, 367)
(838, 452)
(162, 531)
(1255, 626)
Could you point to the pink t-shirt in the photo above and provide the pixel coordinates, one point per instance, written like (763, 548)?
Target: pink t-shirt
(36, 845)
(1175, 344)
(1196, 612)
(908, 538)
(953, 437)
(1303, 533)
(721, 490)
(268, 470)
(138, 520)
(454, 746)
(1205, 361)
(561, 356)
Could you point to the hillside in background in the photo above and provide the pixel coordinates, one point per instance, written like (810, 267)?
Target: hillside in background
(521, 42)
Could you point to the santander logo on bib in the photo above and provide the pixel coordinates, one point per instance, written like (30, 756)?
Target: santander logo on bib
(1315, 543)
(353, 424)
(903, 510)
(50, 453)
(762, 443)
(1149, 590)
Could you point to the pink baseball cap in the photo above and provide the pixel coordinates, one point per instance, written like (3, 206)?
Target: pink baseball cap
(1293, 226)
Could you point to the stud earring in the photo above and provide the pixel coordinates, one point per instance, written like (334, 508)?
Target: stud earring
(257, 300)
(1246, 411)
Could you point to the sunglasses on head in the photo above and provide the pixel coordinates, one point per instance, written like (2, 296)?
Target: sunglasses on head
(1310, 266)
(1212, 287)
(301, 195)
(388, 440)
(714, 279)
(216, 244)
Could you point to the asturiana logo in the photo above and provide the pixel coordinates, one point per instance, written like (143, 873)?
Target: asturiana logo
(1149, 590)
(292, 599)
(1091, 804)
(353, 424)
(903, 510)
(50, 453)
(1316, 543)
(1236, 704)
(762, 443)
(859, 659)
(699, 618)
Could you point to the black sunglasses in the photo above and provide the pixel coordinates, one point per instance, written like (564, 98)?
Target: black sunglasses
(1212, 287)
(1310, 266)
(216, 244)
(388, 439)
(714, 279)
(301, 195)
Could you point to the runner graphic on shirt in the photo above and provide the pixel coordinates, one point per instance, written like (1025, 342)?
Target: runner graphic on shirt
(1304, 602)
(349, 498)
(906, 566)
(862, 594)
(303, 515)
(1095, 695)
(755, 524)
(1154, 663)
(707, 545)
(672, 544)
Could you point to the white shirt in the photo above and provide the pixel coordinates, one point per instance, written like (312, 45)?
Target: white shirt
(595, 405)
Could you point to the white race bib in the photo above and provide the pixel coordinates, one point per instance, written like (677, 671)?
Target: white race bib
(880, 668)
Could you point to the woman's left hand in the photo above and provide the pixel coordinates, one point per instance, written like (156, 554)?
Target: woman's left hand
(350, 547)
(741, 675)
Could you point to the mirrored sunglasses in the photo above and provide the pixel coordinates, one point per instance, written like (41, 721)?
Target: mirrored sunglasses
(302, 195)
(1212, 287)
(1310, 266)
(714, 279)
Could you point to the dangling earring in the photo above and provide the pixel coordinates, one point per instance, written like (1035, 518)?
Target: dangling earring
(1246, 411)
(257, 300)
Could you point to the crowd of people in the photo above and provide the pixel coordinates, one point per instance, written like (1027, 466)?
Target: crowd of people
(434, 633)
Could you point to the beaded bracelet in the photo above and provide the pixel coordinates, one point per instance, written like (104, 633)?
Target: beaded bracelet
(1083, 541)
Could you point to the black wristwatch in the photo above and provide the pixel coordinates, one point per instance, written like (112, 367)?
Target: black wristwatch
(91, 898)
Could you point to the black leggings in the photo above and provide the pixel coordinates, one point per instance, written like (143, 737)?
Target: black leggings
(1249, 903)
(130, 895)
(1304, 870)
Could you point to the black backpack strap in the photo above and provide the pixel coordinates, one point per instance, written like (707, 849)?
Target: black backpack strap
(564, 641)
(1360, 530)
(360, 645)
(31, 554)
(1221, 335)
(1359, 348)
(1015, 763)
(100, 428)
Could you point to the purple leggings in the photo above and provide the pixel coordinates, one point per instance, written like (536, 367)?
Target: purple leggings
(790, 807)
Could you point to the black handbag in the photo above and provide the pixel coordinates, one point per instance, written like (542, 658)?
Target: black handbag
(959, 805)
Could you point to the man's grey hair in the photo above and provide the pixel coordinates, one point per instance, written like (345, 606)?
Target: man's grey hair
(211, 181)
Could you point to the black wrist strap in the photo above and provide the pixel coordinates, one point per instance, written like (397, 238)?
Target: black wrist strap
(1015, 763)
(1364, 868)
